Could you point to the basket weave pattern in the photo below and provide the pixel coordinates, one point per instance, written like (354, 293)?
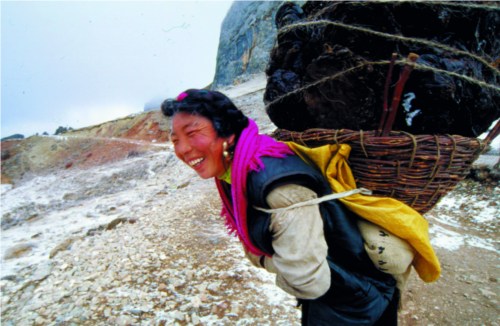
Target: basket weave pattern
(415, 169)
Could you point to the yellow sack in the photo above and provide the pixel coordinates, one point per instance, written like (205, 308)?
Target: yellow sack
(389, 213)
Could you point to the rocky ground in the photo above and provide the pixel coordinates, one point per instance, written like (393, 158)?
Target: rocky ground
(140, 242)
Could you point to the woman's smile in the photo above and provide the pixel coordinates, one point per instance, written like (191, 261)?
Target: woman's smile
(195, 162)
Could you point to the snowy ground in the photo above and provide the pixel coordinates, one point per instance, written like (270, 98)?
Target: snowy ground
(49, 209)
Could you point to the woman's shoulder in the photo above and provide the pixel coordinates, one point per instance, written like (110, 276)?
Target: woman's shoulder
(286, 170)
(278, 167)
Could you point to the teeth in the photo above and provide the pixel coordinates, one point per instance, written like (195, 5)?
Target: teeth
(194, 162)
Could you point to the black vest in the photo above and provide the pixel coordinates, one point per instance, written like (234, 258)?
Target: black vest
(359, 292)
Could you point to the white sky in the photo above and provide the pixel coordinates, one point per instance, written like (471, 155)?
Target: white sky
(80, 63)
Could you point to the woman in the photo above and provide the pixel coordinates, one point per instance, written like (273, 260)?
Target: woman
(316, 251)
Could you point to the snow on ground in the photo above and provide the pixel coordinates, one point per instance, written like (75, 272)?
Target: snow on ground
(46, 210)
(468, 215)
(51, 208)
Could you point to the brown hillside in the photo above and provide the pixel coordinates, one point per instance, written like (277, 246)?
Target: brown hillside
(84, 148)
(150, 126)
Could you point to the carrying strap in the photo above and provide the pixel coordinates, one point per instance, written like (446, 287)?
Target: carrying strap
(316, 201)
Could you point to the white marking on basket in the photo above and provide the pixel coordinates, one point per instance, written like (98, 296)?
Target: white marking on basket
(407, 98)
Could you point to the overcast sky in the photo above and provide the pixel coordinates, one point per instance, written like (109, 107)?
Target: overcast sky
(80, 63)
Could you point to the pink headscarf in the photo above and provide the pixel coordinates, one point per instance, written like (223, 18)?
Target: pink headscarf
(250, 148)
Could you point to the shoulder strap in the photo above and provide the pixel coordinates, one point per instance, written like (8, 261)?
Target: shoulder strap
(316, 201)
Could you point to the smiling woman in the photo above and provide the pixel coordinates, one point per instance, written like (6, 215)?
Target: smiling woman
(314, 247)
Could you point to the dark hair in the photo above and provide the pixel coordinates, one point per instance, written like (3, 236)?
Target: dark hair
(226, 118)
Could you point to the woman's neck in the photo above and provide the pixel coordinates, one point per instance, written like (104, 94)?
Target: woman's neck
(226, 176)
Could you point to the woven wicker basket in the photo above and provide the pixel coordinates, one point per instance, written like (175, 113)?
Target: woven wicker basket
(415, 169)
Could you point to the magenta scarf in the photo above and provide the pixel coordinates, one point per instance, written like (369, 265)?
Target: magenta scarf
(250, 148)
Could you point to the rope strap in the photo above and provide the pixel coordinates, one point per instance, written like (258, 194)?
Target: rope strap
(316, 201)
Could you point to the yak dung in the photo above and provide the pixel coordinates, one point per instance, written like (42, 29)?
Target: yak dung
(331, 59)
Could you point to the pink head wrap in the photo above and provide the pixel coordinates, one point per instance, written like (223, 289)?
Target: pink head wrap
(181, 96)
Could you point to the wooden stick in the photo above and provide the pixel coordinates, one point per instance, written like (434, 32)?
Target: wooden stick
(492, 134)
(405, 74)
(386, 93)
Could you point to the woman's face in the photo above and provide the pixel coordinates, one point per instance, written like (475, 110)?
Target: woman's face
(197, 144)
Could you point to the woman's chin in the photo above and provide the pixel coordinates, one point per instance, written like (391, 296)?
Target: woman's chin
(204, 175)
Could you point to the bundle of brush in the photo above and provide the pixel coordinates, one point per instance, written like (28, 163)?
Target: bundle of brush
(335, 76)
(330, 62)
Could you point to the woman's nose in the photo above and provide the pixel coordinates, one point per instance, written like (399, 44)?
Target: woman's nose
(182, 147)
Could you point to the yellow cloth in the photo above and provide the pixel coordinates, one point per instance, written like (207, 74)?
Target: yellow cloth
(389, 213)
(226, 176)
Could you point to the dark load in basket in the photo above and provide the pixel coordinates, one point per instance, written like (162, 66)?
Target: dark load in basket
(329, 66)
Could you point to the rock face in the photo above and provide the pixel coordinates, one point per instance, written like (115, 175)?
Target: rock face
(247, 36)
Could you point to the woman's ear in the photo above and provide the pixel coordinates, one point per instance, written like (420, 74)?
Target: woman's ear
(230, 140)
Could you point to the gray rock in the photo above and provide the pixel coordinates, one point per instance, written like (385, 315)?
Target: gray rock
(18, 250)
(247, 36)
(65, 245)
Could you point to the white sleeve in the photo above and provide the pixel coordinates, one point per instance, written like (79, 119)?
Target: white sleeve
(299, 244)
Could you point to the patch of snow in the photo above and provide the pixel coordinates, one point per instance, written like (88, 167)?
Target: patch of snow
(450, 240)
(258, 82)
(444, 238)
(495, 143)
(486, 214)
(102, 194)
(487, 160)
(464, 219)
(486, 244)
(4, 188)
